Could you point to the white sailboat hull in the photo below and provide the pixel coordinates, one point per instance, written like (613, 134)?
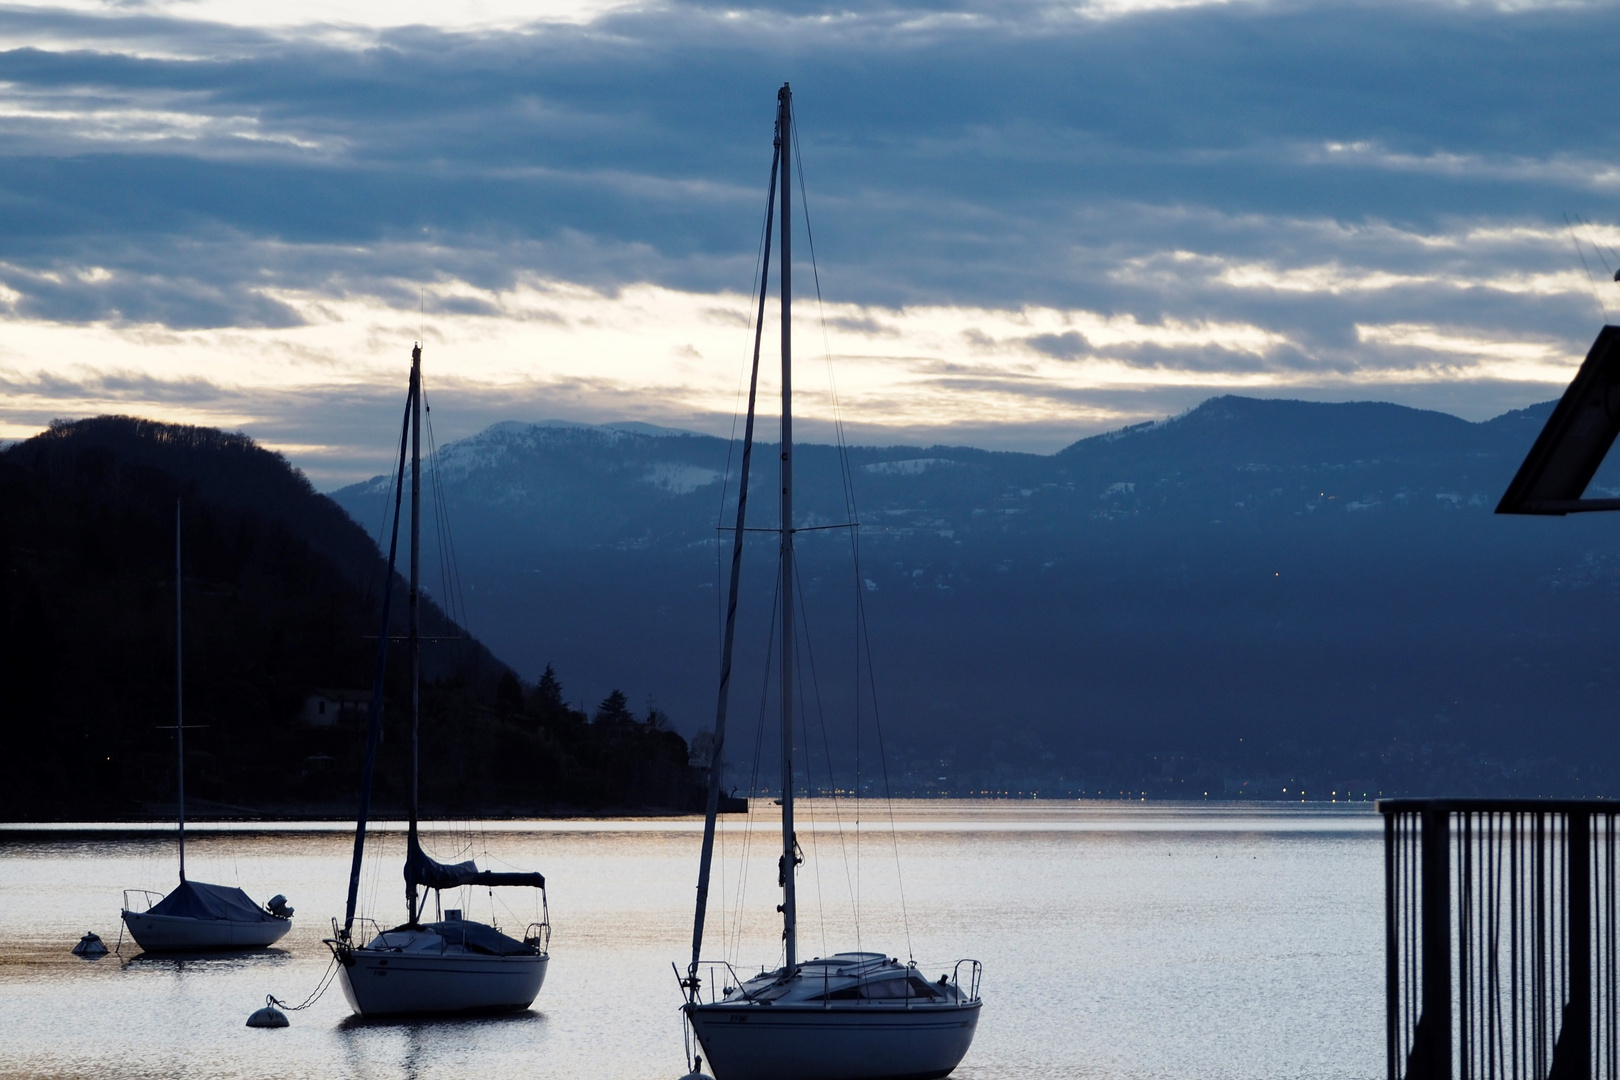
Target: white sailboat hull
(857, 1041)
(405, 984)
(172, 933)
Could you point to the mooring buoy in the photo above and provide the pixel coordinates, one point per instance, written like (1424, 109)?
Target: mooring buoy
(268, 1017)
(91, 947)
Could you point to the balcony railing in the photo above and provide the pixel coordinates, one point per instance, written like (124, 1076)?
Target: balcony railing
(1501, 946)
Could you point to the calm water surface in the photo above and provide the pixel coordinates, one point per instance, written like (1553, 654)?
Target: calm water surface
(1118, 940)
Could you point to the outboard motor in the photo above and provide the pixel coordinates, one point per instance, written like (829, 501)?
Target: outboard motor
(278, 907)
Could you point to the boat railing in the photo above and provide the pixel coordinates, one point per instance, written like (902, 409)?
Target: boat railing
(971, 992)
(736, 981)
(146, 897)
(538, 936)
(367, 931)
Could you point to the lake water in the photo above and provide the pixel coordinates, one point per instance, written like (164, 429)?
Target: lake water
(1119, 941)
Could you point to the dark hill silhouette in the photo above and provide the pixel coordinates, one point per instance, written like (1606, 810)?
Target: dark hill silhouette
(281, 591)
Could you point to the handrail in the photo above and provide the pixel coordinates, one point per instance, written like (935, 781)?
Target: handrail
(975, 971)
(735, 978)
(538, 935)
(377, 932)
(148, 893)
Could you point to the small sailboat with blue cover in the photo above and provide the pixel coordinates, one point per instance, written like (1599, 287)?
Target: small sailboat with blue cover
(450, 964)
(196, 916)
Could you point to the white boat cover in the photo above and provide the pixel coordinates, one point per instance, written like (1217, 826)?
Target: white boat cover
(196, 900)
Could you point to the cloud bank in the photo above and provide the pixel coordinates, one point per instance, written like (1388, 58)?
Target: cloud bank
(1030, 220)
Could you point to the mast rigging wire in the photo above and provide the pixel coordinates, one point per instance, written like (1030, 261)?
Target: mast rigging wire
(1602, 307)
(761, 282)
(1598, 245)
(753, 780)
(863, 633)
(826, 749)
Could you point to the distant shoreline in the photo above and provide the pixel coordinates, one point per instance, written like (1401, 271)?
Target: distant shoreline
(153, 826)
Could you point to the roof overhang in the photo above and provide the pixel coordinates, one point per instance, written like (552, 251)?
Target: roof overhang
(1575, 441)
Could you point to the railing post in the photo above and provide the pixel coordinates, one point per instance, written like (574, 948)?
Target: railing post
(1536, 1003)
(1572, 1056)
(1431, 1043)
(1392, 958)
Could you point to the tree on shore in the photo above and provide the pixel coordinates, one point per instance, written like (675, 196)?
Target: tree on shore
(614, 710)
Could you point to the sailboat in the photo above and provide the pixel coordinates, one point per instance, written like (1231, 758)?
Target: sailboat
(196, 916)
(452, 964)
(852, 1015)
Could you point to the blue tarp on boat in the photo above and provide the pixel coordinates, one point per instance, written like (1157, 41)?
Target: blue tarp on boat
(196, 900)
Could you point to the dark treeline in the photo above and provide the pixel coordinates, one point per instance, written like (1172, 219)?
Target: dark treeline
(281, 597)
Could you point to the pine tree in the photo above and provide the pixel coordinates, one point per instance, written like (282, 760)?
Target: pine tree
(549, 694)
(614, 709)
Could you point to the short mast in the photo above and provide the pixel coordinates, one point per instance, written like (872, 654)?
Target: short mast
(413, 646)
(179, 695)
(789, 862)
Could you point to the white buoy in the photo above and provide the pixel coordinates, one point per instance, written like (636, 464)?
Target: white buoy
(90, 947)
(697, 1072)
(268, 1017)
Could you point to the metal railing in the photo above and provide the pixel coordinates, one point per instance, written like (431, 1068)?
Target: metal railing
(972, 991)
(718, 987)
(148, 899)
(1501, 947)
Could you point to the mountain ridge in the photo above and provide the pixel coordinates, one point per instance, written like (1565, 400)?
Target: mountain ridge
(1136, 594)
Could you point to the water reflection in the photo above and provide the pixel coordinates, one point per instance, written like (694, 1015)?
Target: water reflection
(470, 1022)
(1195, 944)
(416, 1048)
(204, 961)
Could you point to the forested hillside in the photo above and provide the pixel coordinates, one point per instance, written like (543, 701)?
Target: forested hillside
(281, 597)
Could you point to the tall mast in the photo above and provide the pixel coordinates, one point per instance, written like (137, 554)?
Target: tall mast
(374, 724)
(179, 695)
(785, 869)
(414, 640)
(710, 817)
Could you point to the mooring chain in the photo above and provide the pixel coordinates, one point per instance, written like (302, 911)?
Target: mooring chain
(269, 1017)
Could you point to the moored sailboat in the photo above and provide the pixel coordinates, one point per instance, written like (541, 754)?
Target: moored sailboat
(852, 1015)
(452, 964)
(196, 916)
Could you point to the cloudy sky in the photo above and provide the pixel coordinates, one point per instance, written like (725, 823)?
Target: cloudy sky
(1033, 221)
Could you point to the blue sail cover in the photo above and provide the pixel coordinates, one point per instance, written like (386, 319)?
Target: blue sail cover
(195, 900)
(420, 869)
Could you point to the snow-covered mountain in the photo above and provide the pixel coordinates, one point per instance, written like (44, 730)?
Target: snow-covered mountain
(1251, 593)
